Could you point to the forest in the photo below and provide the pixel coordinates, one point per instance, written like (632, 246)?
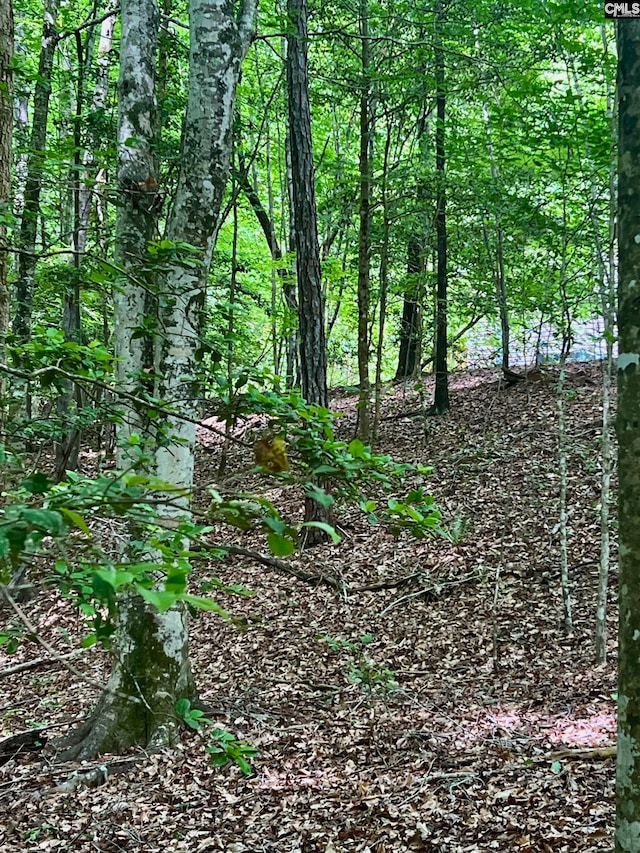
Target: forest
(319, 426)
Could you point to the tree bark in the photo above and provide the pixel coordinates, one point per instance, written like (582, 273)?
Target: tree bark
(99, 99)
(409, 323)
(364, 240)
(384, 279)
(627, 837)
(441, 397)
(151, 668)
(6, 130)
(313, 351)
(313, 347)
(35, 164)
(137, 176)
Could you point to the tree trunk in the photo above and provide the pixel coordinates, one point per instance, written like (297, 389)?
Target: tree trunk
(290, 288)
(151, 668)
(384, 280)
(364, 241)
(67, 446)
(313, 349)
(35, 163)
(6, 129)
(313, 353)
(135, 307)
(441, 397)
(607, 291)
(628, 431)
(500, 276)
(407, 357)
(99, 100)
(151, 672)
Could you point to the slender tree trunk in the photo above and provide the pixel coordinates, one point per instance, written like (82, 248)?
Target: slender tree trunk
(67, 446)
(408, 354)
(607, 268)
(313, 355)
(563, 532)
(35, 164)
(627, 836)
(441, 396)
(500, 276)
(6, 130)
(364, 241)
(231, 331)
(607, 291)
(384, 279)
(313, 348)
(99, 100)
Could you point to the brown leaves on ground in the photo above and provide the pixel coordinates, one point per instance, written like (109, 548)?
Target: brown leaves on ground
(457, 757)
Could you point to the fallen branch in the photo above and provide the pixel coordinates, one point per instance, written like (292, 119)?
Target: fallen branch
(280, 566)
(34, 664)
(433, 590)
(392, 584)
(590, 753)
(22, 616)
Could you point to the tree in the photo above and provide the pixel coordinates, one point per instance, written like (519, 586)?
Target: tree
(6, 130)
(628, 432)
(151, 667)
(313, 347)
(35, 163)
(441, 396)
(410, 320)
(364, 239)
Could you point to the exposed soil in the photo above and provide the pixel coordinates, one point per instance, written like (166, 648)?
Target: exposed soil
(481, 736)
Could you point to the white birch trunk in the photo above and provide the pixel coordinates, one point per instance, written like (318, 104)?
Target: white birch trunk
(152, 661)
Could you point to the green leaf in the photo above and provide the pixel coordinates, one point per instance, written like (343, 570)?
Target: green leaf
(556, 767)
(160, 599)
(103, 588)
(182, 706)
(44, 519)
(202, 603)
(358, 449)
(319, 496)
(280, 545)
(244, 765)
(37, 484)
(76, 519)
(321, 525)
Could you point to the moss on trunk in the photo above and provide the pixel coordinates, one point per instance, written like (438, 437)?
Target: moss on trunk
(151, 672)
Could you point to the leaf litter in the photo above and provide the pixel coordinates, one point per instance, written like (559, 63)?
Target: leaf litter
(453, 749)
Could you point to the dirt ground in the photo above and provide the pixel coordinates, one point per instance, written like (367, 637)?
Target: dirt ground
(483, 727)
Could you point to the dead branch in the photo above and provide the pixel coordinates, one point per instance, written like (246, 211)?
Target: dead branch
(589, 754)
(22, 616)
(280, 566)
(34, 664)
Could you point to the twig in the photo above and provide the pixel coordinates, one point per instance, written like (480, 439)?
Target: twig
(588, 753)
(392, 584)
(79, 379)
(54, 654)
(280, 566)
(33, 664)
(434, 589)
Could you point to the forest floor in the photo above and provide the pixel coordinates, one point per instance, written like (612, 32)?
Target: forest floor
(483, 742)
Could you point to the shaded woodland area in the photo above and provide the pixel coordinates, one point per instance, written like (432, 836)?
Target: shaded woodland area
(320, 491)
(490, 733)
